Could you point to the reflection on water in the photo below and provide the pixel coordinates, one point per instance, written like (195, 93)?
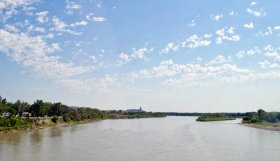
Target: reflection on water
(55, 132)
(171, 138)
(36, 137)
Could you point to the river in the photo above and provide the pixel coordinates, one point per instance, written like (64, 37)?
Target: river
(151, 139)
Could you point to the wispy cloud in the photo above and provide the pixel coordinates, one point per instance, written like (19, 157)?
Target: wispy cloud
(232, 13)
(253, 3)
(256, 12)
(249, 25)
(137, 53)
(220, 59)
(34, 53)
(226, 34)
(123, 58)
(192, 74)
(141, 52)
(42, 16)
(81, 23)
(9, 7)
(11, 28)
(170, 47)
(216, 17)
(193, 23)
(91, 17)
(248, 52)
(195, 41)
(72, 6)
(269, 31)
(61, 26)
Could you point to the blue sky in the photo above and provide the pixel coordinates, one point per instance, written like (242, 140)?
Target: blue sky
(162, 55)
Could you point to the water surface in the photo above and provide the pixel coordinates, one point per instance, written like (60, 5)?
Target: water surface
(153, 139)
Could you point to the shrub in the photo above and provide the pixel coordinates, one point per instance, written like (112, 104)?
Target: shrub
(54, 119)
(66, 118)
(13, 121)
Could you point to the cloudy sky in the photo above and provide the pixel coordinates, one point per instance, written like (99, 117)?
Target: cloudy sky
(171, 55)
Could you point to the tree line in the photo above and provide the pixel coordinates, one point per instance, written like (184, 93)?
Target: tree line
(261, 116)
(11, 113)
(228, 114)
(41, 108)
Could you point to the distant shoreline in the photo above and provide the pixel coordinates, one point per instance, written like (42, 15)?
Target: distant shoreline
(258, 126)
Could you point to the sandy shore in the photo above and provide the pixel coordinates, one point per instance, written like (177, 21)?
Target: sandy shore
(33, 128)
(258, 126)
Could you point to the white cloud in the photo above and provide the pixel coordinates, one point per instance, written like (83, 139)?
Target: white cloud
(41, 16)
(61, 26)
(34, 53)
(39, 29)
(191, 74)
(253, 3)
(2, 5)
(248, 52)
(11, 28)
(269, 31)
(232, 13)
(195, 41)
(93, 58)
(266, 64)
(123, 58)
(91, 17)
(226, 34)
(169, 47)
(141, 52)
(72, 5)
(276, 27)
(249, 25)
(216, 17)
(220, 59)
(218, 71)
(58, 24)
(268, 51)
(9, 7)
(256, 12)
(98, 19)
(193, 23)
(208, 36)
(81, 23)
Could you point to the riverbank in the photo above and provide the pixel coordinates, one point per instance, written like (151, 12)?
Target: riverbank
(33, 128)
(259, 126)
(38, 123)
(41, 123)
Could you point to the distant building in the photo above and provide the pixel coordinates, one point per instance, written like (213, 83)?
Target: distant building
(26, 114)
(135, 110)
(6, 114)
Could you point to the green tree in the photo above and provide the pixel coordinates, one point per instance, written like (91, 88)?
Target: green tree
(262, 115)
(38, 108)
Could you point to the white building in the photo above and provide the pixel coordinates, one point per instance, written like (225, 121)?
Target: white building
(135, 110)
